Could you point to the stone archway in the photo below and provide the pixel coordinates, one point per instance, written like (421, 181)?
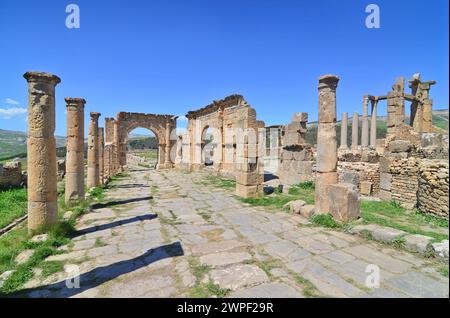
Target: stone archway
(163, 126)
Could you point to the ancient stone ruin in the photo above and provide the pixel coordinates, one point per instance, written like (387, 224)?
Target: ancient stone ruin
(408, 165)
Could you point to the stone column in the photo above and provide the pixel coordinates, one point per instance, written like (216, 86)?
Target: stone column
(326, 171)
(41, 150)
(101, 148)
(355, 131)
(167, 151)
(365, 123)
(344, 124)
(373, 124)
(93, 145)
(75, 150)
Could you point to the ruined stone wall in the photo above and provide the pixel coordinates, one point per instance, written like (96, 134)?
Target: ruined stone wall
(405, 181)
(364, 175)
(296, 163)
(10, 175)
(433, 187)
(223, 117)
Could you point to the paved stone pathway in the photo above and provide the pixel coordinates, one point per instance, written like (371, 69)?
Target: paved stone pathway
(166, 234)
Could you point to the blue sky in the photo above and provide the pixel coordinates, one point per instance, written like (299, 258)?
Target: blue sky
(171, 56)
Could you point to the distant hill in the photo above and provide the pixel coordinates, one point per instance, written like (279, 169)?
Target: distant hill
(141, 142)
(14, 143)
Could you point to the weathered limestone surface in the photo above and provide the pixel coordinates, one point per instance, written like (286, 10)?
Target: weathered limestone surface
(93, 173)
(373, 124)
(365, 123)
(326, 142)
(355, 131)
(344, 127)
(101, 149)
(74, 189)
(343, 200)
(42, 190)
(296, 163)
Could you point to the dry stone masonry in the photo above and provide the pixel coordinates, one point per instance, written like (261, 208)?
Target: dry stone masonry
(296, 163)
(10, 175)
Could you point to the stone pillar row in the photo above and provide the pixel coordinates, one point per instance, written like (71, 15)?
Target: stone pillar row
(41, 149)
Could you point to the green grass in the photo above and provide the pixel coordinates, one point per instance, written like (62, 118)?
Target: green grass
(309, 290)
(302, 191)
(326, 220)
(220, 182)
(13, 205)
(149, 155)
(391, 214)
(201, 289)
(14, 242)
(266, 265)
(444, 271)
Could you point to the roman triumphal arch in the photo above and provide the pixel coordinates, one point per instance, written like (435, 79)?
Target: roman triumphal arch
(163, 126)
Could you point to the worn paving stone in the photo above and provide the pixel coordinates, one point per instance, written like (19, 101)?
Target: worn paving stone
(224, 258)
(139, 255)
(269, 290)
(418, 285)
(215, 247)
(238, 276)
(373, 256)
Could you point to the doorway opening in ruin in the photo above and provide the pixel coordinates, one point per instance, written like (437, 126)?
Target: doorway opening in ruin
(208, 146)
(143, 148)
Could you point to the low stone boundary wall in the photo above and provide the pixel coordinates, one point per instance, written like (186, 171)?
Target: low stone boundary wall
(432, 195)
(10, 174)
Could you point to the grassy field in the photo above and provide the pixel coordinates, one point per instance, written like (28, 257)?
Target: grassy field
(18, 240)
(13, 204)
(150, 154)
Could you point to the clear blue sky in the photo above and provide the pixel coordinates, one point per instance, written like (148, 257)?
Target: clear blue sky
(171, 56)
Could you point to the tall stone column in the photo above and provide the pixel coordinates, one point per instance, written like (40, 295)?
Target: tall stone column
(365, 123)
(355, 130)
(326, 171)
(75, 149)
(101, 148)
(41, 150)
(373, 124)
(344, 124)
(167, 151)
(93, 145)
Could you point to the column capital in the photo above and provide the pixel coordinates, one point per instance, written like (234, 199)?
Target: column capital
(74, 101)
(41, 77)
(330, 81)
(94, 115)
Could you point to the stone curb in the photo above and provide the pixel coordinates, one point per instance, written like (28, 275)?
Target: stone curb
(411, 242)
